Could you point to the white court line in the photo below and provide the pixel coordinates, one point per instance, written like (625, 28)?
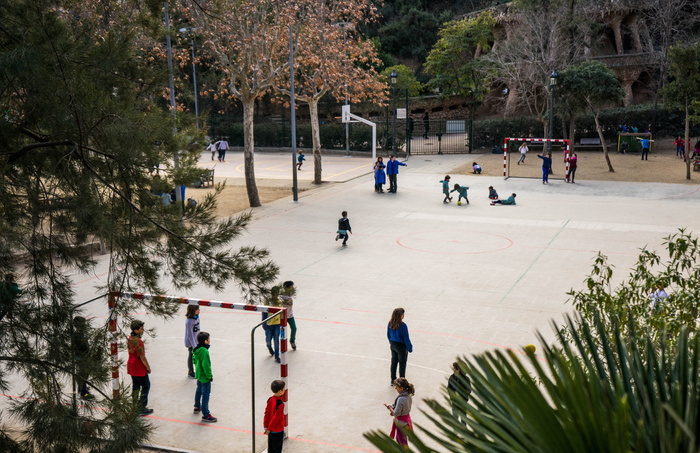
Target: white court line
(574, 224)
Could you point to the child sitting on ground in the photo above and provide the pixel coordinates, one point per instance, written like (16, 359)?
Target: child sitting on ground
(493, 195)
(462, 190)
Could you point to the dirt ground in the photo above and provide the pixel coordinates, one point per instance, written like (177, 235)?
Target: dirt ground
(663, 166)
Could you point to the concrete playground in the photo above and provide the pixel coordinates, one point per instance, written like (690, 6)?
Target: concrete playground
(472, 278)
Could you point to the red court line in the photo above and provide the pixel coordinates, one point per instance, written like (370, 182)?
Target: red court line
(227, 428)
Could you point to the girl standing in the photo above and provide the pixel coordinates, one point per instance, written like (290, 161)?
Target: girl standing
(288, 290)
(400, 343)
(191, 331)
(401, 410)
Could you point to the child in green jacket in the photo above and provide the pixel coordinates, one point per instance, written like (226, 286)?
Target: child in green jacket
(204, 376)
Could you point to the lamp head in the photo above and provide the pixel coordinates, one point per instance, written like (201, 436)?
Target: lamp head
(393, 77)
(553, 78)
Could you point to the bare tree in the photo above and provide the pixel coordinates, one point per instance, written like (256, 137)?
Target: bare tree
(249, 42)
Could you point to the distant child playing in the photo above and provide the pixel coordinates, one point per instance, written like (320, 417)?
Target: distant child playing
(138, 368)
(288, 291)
(300, 160)
(274, 418)
(344, 228)
(462, 191)
(202, 366)
(191, 331)
(476, 168)
(446, 189)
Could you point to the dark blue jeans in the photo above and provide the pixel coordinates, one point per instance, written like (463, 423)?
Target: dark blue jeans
(141, 386)
(399, 357)
(273, 333)
(201, 397)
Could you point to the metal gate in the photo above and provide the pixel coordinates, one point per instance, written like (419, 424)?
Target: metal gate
(438, 136)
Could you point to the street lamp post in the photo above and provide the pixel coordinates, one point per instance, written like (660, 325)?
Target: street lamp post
(552, 86)
(393, 97)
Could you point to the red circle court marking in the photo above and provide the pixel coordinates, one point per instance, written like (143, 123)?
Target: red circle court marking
(509, 243)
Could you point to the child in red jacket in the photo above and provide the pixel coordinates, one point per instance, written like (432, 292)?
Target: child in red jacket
(274, 418)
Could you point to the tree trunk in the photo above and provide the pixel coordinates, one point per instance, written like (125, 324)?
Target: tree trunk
(315, 140)
(602, 142)
(249, 152)
(687, 138)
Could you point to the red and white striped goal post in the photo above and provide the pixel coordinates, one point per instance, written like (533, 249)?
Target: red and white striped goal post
(565, 141)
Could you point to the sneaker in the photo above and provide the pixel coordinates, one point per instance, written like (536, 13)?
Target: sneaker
(209, 419)
(337, 236)
(196, 410)
(277, 359)
(294, 346)
(270, 350)
(191, 374)
(146, 411)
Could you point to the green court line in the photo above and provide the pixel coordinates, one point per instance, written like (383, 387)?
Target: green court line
(510, 290)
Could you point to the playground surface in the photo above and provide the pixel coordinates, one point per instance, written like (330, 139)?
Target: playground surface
(472, 278)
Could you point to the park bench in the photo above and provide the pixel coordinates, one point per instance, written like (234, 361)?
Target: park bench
(208, 178)
(589, 143)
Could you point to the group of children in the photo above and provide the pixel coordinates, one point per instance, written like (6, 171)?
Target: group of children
(462, 191)
(199, 367)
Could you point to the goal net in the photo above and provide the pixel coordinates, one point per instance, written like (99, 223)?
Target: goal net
(530, 167)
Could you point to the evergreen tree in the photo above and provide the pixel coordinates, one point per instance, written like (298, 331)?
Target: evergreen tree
(82, 128)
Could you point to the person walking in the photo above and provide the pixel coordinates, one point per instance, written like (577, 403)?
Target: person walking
(573, 164)
(204, 375)
(546, 167)
(222, 146)
(523, 150)
(212, 148)
(401, 411)
(138, 368)
(191, 331)
(272, 327)
(300, 160)
(392, 170)
(399, 342)
(344, 228)
(379, 175)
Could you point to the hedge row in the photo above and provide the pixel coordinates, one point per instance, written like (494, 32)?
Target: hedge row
(663, 123)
